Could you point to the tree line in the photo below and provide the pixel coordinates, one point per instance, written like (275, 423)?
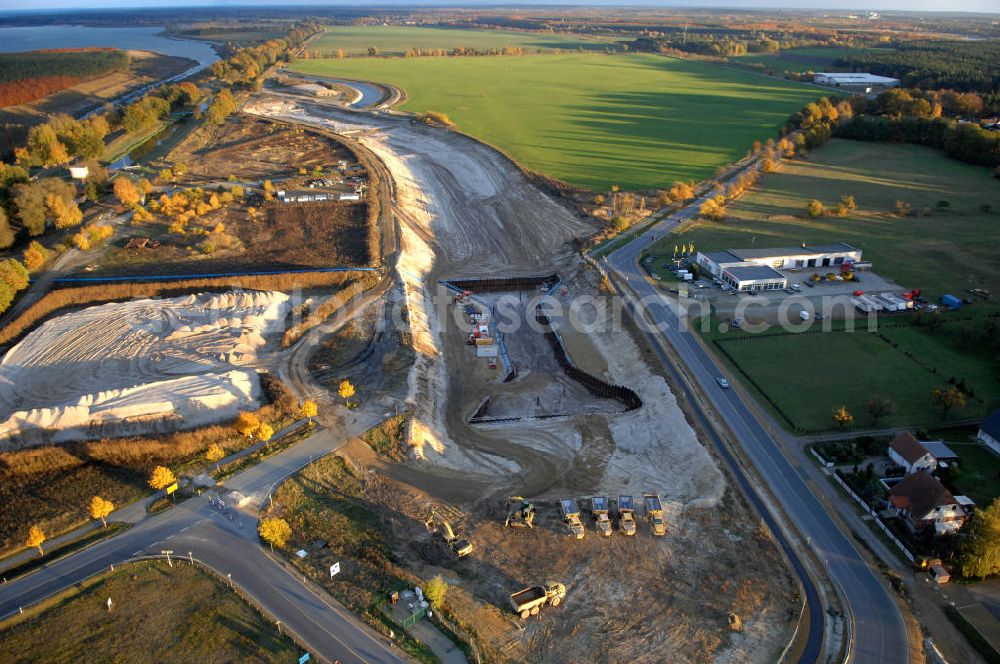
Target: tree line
(965, 66)
(25, 77)
(902, 116)
(247, 65)
(730, 45)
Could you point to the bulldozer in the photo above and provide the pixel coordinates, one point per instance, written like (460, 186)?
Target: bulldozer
(520, 513)
(438, 525)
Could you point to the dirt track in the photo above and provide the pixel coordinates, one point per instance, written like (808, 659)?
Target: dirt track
(465, 211)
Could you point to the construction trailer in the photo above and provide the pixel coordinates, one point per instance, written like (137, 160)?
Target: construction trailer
(654, 514)
(894, 302)
(437, 524)
(520, 513)
(599, 510)
(626, 515)
(529, 602)
(873, 303)
(861, 305)
(571, 517)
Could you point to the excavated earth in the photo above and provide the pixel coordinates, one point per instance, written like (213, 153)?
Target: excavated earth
(467, 212)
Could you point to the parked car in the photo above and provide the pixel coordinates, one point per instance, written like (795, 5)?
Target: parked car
(737, 322)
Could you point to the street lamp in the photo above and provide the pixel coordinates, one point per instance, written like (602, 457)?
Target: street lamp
(167, 553)
(230, 577)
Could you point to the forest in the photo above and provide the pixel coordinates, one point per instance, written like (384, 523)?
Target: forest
(965, 66)
(901, 116)
(25, 77)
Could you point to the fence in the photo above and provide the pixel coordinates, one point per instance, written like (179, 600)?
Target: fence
(594, 385)
(885, 529)
(412, 619)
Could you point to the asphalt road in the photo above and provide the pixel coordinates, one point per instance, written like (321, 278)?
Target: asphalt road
(879, 635)
(198, 526)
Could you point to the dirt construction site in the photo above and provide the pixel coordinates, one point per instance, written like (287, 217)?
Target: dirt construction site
(143, 366)
(714, 588)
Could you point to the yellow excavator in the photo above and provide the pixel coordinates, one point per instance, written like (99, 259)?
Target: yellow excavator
(520, 513)
(437, 524)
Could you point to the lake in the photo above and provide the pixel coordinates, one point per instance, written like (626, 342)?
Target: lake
(33, 38)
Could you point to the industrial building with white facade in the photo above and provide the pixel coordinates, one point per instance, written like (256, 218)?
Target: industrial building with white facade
(854, 80)
(757, 269)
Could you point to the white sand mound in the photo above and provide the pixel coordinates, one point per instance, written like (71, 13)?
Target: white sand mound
(188, 401)
(136, 363)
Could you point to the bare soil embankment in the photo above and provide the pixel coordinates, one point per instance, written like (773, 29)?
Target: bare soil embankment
(466, 211)
(137, 367)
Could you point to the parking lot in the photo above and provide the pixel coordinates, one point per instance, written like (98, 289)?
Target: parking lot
(821, 299)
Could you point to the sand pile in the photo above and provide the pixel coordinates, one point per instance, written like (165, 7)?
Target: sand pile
(141, 366)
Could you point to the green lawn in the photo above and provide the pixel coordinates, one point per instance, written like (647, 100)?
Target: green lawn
(803, 377)
(159, 614)
(392, 40)
(641, 121)
(938, 249)
(979, 473)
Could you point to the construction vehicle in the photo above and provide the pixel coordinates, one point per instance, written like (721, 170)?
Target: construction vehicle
(571, 517)
(529, 602)
(599, 508)
(626, 515)
(437, 524)
(654, 514)
(520, 513)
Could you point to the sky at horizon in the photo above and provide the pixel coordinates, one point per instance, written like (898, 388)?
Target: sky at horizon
(982, 6)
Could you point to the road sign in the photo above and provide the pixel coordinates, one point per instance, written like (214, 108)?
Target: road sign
(172, 488)
(334, 569)
(305, 658)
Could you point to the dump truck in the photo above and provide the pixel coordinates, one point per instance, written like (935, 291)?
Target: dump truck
(626, 515)
(571, 517)
(599, 509)
(529, 602)
(439, 525)
(520, 513)
(654, 514)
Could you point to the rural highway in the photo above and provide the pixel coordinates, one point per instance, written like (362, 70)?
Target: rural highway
(198, 526)
(878, 632)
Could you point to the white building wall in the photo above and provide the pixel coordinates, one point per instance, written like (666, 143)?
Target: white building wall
(793, 261)
(989, 441)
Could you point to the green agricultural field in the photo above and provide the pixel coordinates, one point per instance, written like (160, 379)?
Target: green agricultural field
(356, 40)
(939, 249)
(803, 377)
(159, 614)
(640, 121)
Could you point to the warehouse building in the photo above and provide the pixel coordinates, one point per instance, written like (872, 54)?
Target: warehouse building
(855, 80)
(757, 269)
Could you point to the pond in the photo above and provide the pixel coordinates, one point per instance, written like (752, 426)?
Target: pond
(37, 37)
